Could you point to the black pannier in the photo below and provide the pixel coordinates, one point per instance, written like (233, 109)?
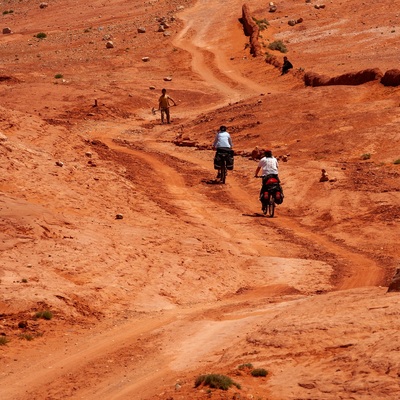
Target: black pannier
(221, 154)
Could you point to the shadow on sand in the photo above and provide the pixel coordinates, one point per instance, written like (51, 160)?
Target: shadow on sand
(257, 215)
(212, 181)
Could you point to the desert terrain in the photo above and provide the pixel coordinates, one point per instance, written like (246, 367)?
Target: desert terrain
(150, 272)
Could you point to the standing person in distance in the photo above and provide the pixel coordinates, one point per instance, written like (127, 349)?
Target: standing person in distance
(222, 143)
(269, 165)
(164, 104)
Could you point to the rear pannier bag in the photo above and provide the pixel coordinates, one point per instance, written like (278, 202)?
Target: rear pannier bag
(229, 161)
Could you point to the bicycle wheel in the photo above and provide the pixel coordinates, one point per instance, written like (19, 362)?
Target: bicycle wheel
(271, 206)
(223, 171)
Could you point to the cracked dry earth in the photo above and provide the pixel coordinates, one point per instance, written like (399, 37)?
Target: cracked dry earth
(193, 279)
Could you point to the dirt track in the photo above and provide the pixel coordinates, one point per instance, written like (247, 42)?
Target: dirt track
(193, 279)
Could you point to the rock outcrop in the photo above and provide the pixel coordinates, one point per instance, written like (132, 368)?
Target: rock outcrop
(395, 284)
(251, 29)
(391, 78)
(351, 78)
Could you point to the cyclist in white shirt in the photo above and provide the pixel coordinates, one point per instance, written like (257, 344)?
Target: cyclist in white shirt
(222, 139)
(269, 165)
(222, 144)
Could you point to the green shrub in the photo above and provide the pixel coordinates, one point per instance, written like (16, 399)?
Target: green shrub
(58, 76)
(278, 45)
(246, 366)
(269, 56)
(365, 156)
(397, 161)
(44, 314)
(3, 340)
(26, 336)
(41, 35)
(261, 23)
(259, 372)
(215, 381)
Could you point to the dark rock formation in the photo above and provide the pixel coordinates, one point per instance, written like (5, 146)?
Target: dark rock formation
(391, 78)
(351, 78)
(251, 29)
(395, 284)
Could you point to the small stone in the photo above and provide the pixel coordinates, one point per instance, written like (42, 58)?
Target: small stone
(119, 216)
(168, 79)
(141, 30)
(307, 385)
(59, 163)
(6, 31)
(110, 45)
(43, 5)
(145, 59)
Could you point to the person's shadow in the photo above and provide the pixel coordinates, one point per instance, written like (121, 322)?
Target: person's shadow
(255, 215)
(212, 181)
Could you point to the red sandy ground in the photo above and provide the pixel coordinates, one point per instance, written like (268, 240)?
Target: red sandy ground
(193, 279)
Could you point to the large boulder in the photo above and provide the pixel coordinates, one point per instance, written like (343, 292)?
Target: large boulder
(391, 78)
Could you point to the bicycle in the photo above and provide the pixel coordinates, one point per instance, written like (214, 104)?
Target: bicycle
(223, 162)
(270, 186)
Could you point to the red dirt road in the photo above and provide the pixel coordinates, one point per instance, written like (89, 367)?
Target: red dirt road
(193, 279)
